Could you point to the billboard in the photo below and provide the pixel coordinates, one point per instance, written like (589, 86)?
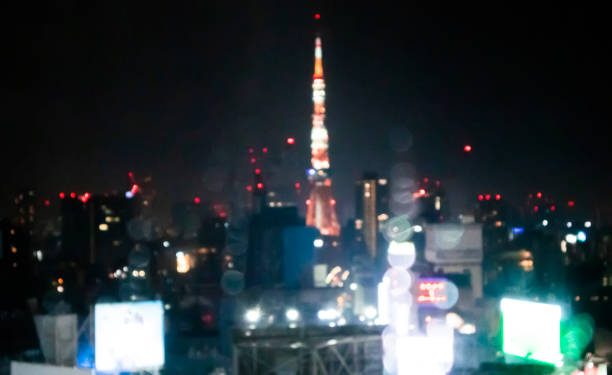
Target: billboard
(129, 336)
(453, 243)
(531, 330)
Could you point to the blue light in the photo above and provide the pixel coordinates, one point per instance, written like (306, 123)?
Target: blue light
(311, 172)
(129, 194)
(518, 230)
(581, 236)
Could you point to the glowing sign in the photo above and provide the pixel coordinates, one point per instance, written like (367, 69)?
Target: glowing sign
(531, 330)
(431, 291)
(129, 336)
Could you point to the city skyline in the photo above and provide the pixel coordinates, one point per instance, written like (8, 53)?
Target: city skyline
(185, 104)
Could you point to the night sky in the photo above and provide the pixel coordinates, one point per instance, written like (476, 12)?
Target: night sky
(94, 91)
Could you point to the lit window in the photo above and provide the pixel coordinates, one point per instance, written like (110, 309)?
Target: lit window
(103, 227)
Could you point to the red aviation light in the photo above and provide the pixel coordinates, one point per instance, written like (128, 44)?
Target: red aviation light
(257, 171)
(290, 141)
(196, 200)
(497, 197)
(249, 188)
(488, 196)
(552, 208)
(72, 195)
(467, 148)
(571, 203)
(317, 16)
(260, 185)
(480, 197)
(539, 195)
(62, 195)
(297, 185)
(264, 150)
(47, 203)
(253, 160)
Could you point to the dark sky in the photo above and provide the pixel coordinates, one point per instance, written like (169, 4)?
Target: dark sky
(93, 91)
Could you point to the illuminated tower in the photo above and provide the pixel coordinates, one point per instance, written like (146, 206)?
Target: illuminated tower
(321, 210)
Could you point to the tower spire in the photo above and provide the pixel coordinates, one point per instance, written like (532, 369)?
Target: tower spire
(321, 211)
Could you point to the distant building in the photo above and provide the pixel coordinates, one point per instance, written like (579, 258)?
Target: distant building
(372, 210)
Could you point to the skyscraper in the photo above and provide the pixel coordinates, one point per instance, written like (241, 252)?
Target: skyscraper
(321, 210)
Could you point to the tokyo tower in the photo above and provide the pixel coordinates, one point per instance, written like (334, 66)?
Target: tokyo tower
(321, 210)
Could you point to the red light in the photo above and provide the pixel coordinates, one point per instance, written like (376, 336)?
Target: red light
(332, 202)
(539, 195)
(426, 180)
(488, 196)
(308, 202)
(257, 171)
(196, 200)
(290, 141)
(62, 195)
(422, 191)
(264, 150)
(297, 185)
(497, 196)
(480, 197)
(536, 208)
(72, 195)
(47, 202)
(571, 203)
(249, 188)
(467, 148)
(130, 174)
(317, 16)
(253, 160)
(134, 189)
(552, 208)
(250, 150)
(259, 185)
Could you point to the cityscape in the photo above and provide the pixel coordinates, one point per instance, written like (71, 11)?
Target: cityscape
(189, 200)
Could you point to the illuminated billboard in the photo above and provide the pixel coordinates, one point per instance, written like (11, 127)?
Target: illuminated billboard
(531, 330)
(437, 292)
(129, 336)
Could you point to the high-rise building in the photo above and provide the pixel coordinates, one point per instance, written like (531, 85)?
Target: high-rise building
(371, 209)
(321, 210)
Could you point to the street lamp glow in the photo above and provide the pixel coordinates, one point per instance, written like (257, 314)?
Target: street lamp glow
(166, 244)
(253, 315)
(587, 224)
(544, 222)
(292, 314)
(318, 242)
(353, 286)
(370, 312)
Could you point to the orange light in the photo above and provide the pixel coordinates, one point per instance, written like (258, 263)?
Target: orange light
(467, 148)
(60, 281)
(290, 141)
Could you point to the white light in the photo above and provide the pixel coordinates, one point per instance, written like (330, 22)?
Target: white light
(544, 222)
(417, 228)
(467, 329)
(60, 289)
(370, 312)
(401, 254)
(332, 324)
(167, 306)
(292, 325)
(454, 320)
(39, 255)
(569, 224)
(318, 242)
(571, 238)
(129, 194)
(253, 315)
(341, 321)
(361, 318)
(353, 286)
(292, 314)
(328, 314)
(166, 244)
(103, 227)
(581, 236)
(141, 273)
(332, 342)
(563, 246)
(135, 273)
(587, 224)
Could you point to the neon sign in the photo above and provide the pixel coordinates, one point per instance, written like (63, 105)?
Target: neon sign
(431, 291)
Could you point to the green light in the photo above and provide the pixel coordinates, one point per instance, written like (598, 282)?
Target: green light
(531, 330)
